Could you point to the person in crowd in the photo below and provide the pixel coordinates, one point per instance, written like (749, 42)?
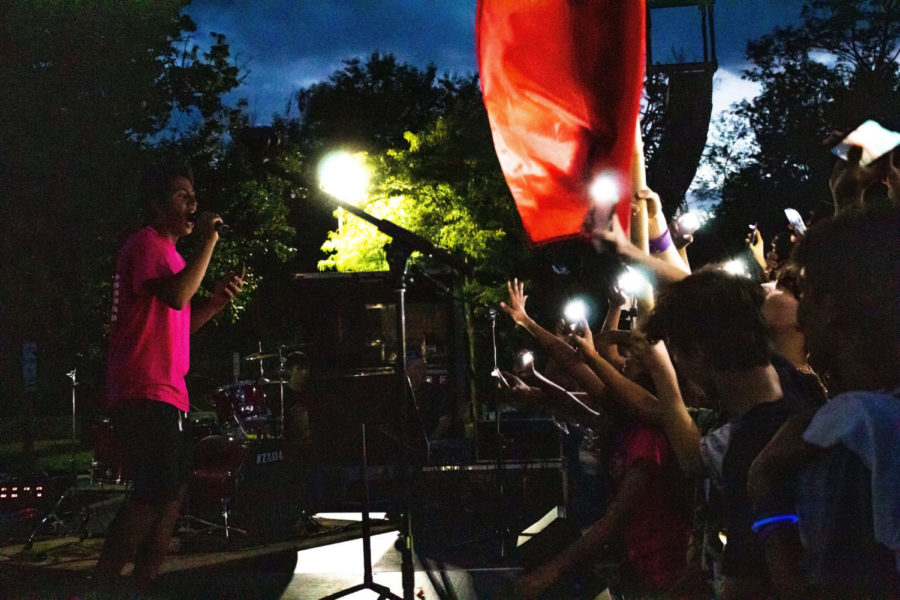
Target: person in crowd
(844, 456)
(649, 514)
(712, 324)
(153, 316)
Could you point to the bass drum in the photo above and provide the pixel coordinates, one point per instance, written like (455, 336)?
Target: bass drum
(254, 480)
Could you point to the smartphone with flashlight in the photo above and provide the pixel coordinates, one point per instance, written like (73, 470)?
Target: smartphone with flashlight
(875, 141)
(752, 235)
(795, 220)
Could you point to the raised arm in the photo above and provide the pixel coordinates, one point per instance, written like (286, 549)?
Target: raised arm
(624, 395)
(682, 432)
(555, 399)
(563, 353)
(178, 289)
(661, 245)
(618, 243)
(607, 529)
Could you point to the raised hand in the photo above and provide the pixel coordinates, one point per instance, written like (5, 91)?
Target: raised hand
(517, 298)
(229, 287)
(757, 247)
(849, 181)
(582, 338)
(613, 238)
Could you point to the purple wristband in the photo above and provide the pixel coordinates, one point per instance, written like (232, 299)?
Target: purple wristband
(661, 243)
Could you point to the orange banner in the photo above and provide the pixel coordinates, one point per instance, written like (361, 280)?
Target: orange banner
(562, 82)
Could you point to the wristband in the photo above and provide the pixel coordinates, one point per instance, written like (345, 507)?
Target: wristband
(773, 520)
(661, 243)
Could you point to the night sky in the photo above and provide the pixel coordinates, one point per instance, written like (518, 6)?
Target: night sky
(289, 44)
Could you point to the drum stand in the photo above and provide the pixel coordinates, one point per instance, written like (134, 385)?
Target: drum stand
(210, 526)
(53, 517)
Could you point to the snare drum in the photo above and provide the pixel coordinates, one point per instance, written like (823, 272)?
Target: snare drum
(244, 402)
(253, 480)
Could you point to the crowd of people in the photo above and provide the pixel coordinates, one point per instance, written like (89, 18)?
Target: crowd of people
(750, 427)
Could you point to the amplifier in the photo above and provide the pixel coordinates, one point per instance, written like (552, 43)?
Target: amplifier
(517, 438)
(455, 506)
(32, 492)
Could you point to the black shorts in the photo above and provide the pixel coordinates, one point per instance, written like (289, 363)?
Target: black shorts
(153, 442)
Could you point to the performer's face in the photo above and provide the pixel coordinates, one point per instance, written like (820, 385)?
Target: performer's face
(173, 214)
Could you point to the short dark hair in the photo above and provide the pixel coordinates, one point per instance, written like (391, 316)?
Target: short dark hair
(156, 181)
(716, 312)
(296, 359)
(853, 262)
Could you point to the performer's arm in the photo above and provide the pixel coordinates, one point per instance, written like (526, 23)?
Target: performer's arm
(177, 290)
(223, 292)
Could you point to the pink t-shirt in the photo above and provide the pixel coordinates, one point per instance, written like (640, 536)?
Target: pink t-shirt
(149, 346)
(657, 535)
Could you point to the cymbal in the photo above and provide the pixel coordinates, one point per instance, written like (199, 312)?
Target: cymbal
(261, 355)
(282, 351)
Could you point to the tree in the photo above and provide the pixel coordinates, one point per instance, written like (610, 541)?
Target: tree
(369, 106)
(91, 91)
(834, 70)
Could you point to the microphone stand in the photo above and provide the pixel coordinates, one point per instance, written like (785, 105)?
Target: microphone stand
(403, 243)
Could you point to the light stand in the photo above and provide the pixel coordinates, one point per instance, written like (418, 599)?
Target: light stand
(73, 375)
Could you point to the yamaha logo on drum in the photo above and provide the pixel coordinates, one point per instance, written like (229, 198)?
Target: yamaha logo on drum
(269, 457)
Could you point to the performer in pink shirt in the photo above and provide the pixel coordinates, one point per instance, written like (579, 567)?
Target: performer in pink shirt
(149, 350)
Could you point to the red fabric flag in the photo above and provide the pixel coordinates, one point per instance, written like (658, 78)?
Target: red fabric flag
(562, 82)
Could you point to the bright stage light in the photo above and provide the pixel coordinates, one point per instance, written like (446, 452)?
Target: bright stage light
(344, 176)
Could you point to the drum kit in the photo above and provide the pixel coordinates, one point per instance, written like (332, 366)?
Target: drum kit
(243, 479)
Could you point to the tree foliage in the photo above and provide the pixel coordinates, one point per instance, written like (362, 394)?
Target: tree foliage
(831, 72)
(91, 93)
(444, 183)
(369, 106)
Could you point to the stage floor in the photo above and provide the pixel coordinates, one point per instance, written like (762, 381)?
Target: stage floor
(462, 551)
(301, 568)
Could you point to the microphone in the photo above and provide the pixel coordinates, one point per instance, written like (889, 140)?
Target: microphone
(220, 226)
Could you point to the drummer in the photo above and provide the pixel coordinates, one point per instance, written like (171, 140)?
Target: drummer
(297, 399)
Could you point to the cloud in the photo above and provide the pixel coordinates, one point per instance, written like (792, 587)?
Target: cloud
(286, 45)
(728, 88)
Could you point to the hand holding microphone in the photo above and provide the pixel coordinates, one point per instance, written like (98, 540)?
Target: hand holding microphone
(209, 219)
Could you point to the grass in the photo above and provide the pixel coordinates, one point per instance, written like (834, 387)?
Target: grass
(51, 456)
